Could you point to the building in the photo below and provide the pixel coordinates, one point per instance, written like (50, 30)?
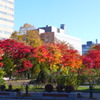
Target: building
(6, 18)
(87, 46)
(51, 33)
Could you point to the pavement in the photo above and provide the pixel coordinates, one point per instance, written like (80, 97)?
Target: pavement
(86, 96)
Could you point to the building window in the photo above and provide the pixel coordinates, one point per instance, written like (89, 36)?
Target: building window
(46, 40)
(5, 13)
(58, 30)
(4, 19)
(6, 7)
(10, 2)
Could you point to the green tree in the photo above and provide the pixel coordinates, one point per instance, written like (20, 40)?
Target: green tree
(8, 66)
(32, 38)
(2, 73)
(28, 35)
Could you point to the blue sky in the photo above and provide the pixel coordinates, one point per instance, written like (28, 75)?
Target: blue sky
(81, 17)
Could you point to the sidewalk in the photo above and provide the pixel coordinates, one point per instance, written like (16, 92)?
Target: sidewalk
(85, 96)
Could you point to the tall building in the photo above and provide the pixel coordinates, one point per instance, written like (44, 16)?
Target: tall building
(6, 18)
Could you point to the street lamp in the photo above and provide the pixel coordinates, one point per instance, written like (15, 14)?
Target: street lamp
(90, 88)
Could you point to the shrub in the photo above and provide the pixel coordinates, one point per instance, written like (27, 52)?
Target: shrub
(2, 87)
(49, 88)
(10, 87)
(69, 88)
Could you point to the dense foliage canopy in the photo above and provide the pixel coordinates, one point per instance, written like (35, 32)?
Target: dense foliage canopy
(56, 62)
(48, 58)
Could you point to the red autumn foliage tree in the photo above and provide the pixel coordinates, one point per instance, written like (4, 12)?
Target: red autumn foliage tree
(70, 57)
(57, 56)
(14, 49)
(18, 52)
(92, 58)
(26, 65)
(49, 58)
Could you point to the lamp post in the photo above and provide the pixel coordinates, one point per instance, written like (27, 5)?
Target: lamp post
(91, 92)
(26, 89)
(90, 88)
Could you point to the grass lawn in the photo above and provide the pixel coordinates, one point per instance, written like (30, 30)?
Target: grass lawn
(95, 89)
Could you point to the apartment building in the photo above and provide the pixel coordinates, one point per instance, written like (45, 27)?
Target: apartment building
(6, 18)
